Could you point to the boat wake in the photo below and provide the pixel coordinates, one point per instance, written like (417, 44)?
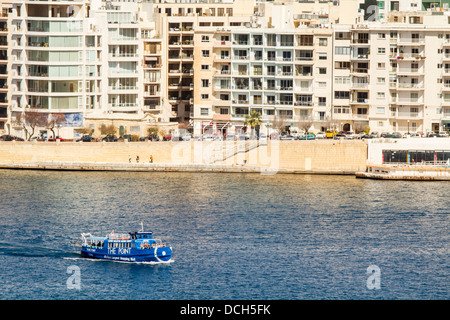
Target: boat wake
(119, 261)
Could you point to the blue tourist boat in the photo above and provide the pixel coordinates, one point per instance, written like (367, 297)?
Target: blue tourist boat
(137, 246)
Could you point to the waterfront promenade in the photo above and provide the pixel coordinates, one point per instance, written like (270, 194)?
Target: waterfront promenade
(273, 156)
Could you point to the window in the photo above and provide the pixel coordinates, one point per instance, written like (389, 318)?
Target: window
(205, 83)
(204, 111)
(205, 53)
(342, 94)
(205, 67)
(381, 50)
(380, 95)
(205, 38)
(322, 56)
(342, 109)
(322, 70)
(381, 65)
(341, 80)
(204, 96)
(224, 54)
(342, 36)
(381, 35)
(380, 110)
(342, 50)
(342, 65)
(381, 80)
(323, 42)
(322, 101)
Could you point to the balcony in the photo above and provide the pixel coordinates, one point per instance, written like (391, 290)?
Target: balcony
(360, 42)
(360, 57)
(411, 41)
(410, 71)
(360, 116)
(222, 44)
(407, 56)
(409, 86)
(240, 43)
(359, 101)
(123, 106)
(241, 58)
(406, 101)
(309, 104)
(360, 85)
(152, 107)
(359, 70)
(304, 60)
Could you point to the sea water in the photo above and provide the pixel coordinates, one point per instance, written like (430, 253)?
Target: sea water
(234, 236)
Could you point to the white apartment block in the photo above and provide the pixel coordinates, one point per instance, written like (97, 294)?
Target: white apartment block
(404, 62)
(388, 76)
(76, 60)
(207, 64)
(4, 25)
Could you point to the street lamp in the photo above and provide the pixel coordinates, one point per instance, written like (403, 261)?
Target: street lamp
(408, 126)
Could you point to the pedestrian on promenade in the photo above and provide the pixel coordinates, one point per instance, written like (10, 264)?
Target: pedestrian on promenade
(129, 159)
(137, 159)
(151, 159)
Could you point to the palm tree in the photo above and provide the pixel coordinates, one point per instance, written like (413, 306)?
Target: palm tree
(253, 119)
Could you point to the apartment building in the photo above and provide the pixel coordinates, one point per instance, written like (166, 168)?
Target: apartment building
(208, 64)
(75, 61)
(386, 76)
(402, 66)
(5, 8)
(280, 66)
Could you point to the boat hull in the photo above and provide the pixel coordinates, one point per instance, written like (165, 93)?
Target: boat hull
(159, 254)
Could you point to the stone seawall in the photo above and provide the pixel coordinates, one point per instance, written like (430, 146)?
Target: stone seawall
(320, 156)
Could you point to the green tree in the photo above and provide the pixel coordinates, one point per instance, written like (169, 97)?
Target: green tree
(253, 119)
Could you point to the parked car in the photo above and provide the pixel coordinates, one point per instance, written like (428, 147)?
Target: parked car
(274, 136)
(339, 135)
(443, 134)
(57, 138)
(230, 137)
(432, 134)
(287, 137)
(263, 137)
(241, 137)
(415, 135)
(373, 135)
(208, 137)
(350, 135)
(7, 137)
(86, 138)
(330, 134)
(167, 138)
(186, 137)
(321, 135)
(364, 135)
(393, 135)
(110, 138)
(308, 136)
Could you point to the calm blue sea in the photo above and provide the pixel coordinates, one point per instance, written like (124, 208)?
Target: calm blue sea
(235, 236)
